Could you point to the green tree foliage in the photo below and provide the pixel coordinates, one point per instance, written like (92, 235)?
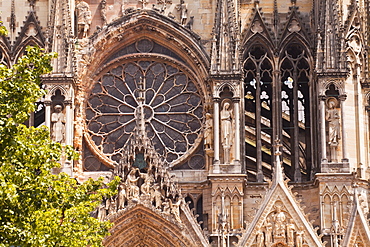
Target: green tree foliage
(38, 208)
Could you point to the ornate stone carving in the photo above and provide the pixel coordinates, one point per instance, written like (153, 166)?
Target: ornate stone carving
(103, 11)
(183, 10)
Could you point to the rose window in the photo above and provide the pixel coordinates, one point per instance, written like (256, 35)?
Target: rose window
(172, 110)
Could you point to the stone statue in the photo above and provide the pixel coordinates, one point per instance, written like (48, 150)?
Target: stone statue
(166, 207)
(268, 232)
(260, 239)
(83, 18)
(112, 206)
(121, 197)
(132, 188)
(290, 228)
(279, 223)
(58, 125)
(103, 11)
(332, 116)
(175, 208)
(226, 130)
(299, 239)
(147, 185)
(102, 212)
(157, 195)
(208, 132)
(182, 8)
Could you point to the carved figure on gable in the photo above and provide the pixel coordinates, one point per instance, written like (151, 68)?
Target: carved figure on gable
(121, 197)
(58, 125)
(175, 208)
(226, 130)
(290, 228)
(299, 239)
(83, 18)
(148, 181)
(102, 212)
(268, 232)
(157, 196)
(132, 188)
(103, 11)
(332, 116)
(112, 206)
(260, 238)
(183, 9)
(166, 207)
(279, 227)
(208, 132)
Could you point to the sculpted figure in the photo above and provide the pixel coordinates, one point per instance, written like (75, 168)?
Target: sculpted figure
(290, 228)
(157, 195)
(182, 7)
(147, 185)
(260, 239)
(132, 188)
(332, 116)
(226, 130)
(268, 232)
(280, 223)
(102, 212)
(58, 124)
(112, 206)
(166, 207)
(83, 18)
(299, 239)
(175, 208)
(103, 11)
(208, 131)
(121, 197)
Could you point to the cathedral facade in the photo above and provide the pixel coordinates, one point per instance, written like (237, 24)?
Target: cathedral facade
(230, 122)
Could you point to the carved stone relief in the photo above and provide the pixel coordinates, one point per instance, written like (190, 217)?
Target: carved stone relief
(83, 18)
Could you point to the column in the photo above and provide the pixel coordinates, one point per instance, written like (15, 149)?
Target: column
(216, 134)
(236, 102)
(322, 99)
(342, 98)
(260, 176)
(47, 113)
(69, 123)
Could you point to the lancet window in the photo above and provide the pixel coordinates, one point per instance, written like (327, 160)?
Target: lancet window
(276, 97)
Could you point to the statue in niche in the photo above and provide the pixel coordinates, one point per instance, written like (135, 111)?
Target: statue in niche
(132, 188)
(268, 232)
(83, 18)
(58, 121)
(260, 238)
(279, 226)
(226, 130)
(112, 206)
(121, 196)
(290, 228)
(332, 116)
(208, 132)
(182, 8)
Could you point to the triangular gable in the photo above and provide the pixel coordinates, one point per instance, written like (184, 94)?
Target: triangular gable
(294, 27)
(280, 219)
(30, 34)
(358, 231)
(257, 28)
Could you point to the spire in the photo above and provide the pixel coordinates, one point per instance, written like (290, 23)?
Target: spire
(278, 175)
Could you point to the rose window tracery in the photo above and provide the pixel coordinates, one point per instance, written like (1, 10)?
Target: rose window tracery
(172, 109)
